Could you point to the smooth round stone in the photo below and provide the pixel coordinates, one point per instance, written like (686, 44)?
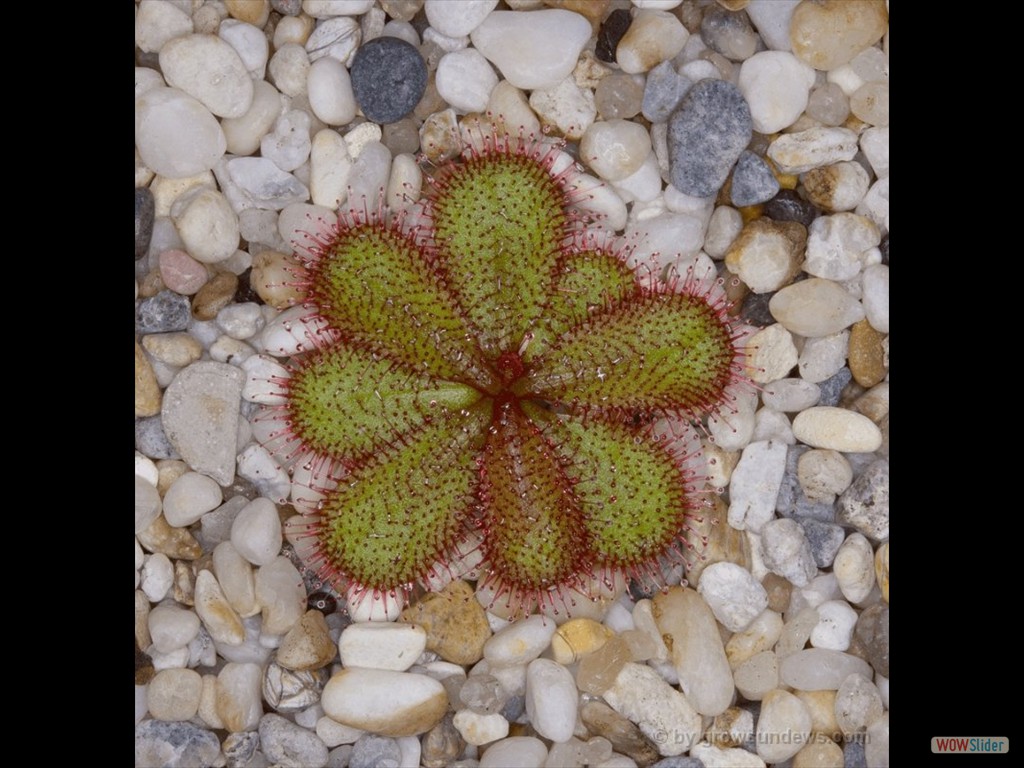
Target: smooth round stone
(776, 85)
(384, 701)
(289, 69)
(733, 428)
(801, 151)
(551, 698)
(322, 9)
(821, 358)
(774, 354)
(790, 395)
(210, 70)
(147, 504)
(172, 627)
(706, 135)
(828, 105)
(874, 143)
(465, 80)
(724, 227)
(837, 429)
(256, 532)
(771, 18)
(249, 43)
(190, 497)
(783, 726)
(478, 729)
(515, 752)
(221, 620)
(382, 645)
(158, 22)
(281, 595)
(832, 32)
(728, 33)
(244, 134)
(520, 642)
(173, 694)
(285, 743)
(653, 37)
(238, 700)
(836, 620)
(758, 675)
(760, 635)
(619, 96)
(875, 296)
(389, 77)
(858, 704)
(837, 187)
(816, 669)
(207, 225)
(330, 92)
(175, 134)
(823, 474)
(235, 577)
(457, 19)
(337, 38)
(510, 107)
(815, 307)
(615, 149)
(534, 49)
(175, 349)
(287, 146)
(767, 254)
(734, 595)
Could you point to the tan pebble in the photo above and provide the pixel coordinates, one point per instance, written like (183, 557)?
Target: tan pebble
(220, 618)
(731, 728)
(866, 354)
(779, 590)
(176, 543)
(874, 403)
(822, 706)
(626, 737)
(578, 638)
(308, 644)
(455, 623)
(208, 703)
(882, 570)
(142, 637)
(592, 10)
(590, 71)
(147, 390)
(829, 33)
(168, 471)
(767, 254)
(151, 285)
(273, 277)
(440, 138)
(385, 702)
(598, 670)
(820, 754)
(214, 296)
(184, 583)
(177, 349)
(725, 543)
(255, 12)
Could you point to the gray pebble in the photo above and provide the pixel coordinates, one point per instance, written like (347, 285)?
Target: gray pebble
(706, 134)
(167, 311)
(240, 747)
(514, 708)
(389, 78)
(174, 745)
(151, 440)
(787, 205)
(679, 761)
(371, 751)
(339, 756)
(752, 181)
(290, 746)
(873, 630)
(287, 7)
(853, 754)
(792, 501)
(144, 213)
(865, 504)
(756, 311)
(728, 33)
(824, 538)
(664, 90)
(832, 387)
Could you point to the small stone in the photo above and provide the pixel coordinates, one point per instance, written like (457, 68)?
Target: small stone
(290, 746)
(235, 576)
(385, 702)
(332, 733)
(598, 670)
(664, 714)
(787, 552)
(249, 42)
(760, 635)
(734, 758)
(181, 273)
(520, 642)
(172, 627)
(824, 538)
(706, 135)
(615, 149)
(832, 388)
(457, 20)
(732, 728)
(803, 151)
(662, 93)
(734, 596)
(175, 134)
(819, 754)
(158, 22)
(578, 638)
(442, 744)
(289, 70)
(752, 181)
(818, 669)
(207, 225)
(535, 49)
(875, 296)
(147, 389)
(551, 699)
(176, 543)
(815, 307)
(858, 704)
(873, 631)
(272, 277)
(208, 69)
(835, 625)
(783, 727)
(389, 77)
(653, 37)
(288, 691)
(767, 254)
(281, 596)
(190, 497)
(335, 38)
(828, 105)
(173, 694)
(696, 650)
(175, 745)
(757, 676)
(144, 213)
(625, 737)
(823, 474)
(772, 19)
(219, 618)
(157, 577)
(480, 729)
(514, 752)
(619, 96)
(566, 107)
(239, 748)
(882, 570)
(264, 185)
(330, 95)
(454, 621)
(483, 693)
(244, 134)
(865, 504)
(837, 187)
(440, 137)
(830, 33)
(200, 417)
(787, 205)
(175, 349)
(164, 312)
(253, 12)
(837, 244)
(867, 354)
(380, 645)
(465, 80)
(776, 85)
(610, 33)
(728, 32)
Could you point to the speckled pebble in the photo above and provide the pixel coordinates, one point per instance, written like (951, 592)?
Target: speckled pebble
(167, 311)
(832, 387)
(290, 746)
(792, 501)
(825, 539)
(865, 504)
(175, 745)
(663, 91)
(787, 552)
(144, 212)
(752, 181)
(389, 77)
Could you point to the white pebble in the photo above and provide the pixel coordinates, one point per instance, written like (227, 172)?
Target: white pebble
(615, 148)
(551, 699)
(875, 204)
(566, 106)
(723, 229)
(256, 465)
(171, 628)
(772, 19)
(220, 619)
(457, 19)
(854, 568)
(334, 734)
(836, 245)
(239, 699)
(207, 225)
(157, 577)
(381, 645)
(837, 187)
(287, 146)
(190, 497)
(874, 143)
(661, 241)
(289, 69)
(790, 395)
(174, 694)
(244, 134)
(801, 151)
(249, 43)
(757, 675)
(663, 713)
(734, 595)
(653, 37)
(838, 429)
(383, 701)
(465, 80)
(520, 642)
(772, 354)
(836, 620)
(256, 532)
(210, 70)
(535, 49)
(403, 30)
(337, 38)
(644, 184)
(241, 321)
(478, 729)
(783, 726)
(821, 358)
(322, 9)
(776, 85)
(330, 92)
(235, 576)
(281, 595)
(787, 552)
(755, 484)
(820, 669)
(261, 184)
(330, 170)
(815, 307)
(515, 752)
(175, 134)
(292, 331)
(147, 504)
(599, 200)
(368, 181)
(227, 350)
(157, 22)
(405, 183)
(875, 296)
(444, 42)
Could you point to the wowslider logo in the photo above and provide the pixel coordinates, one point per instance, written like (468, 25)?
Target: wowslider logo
(974, 744)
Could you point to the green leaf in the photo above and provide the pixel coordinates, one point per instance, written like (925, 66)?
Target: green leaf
(347, 402)
(631, 487)
(534, 529)
(653, 352)
(392, 519)
(499, 221)
(375, 286)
